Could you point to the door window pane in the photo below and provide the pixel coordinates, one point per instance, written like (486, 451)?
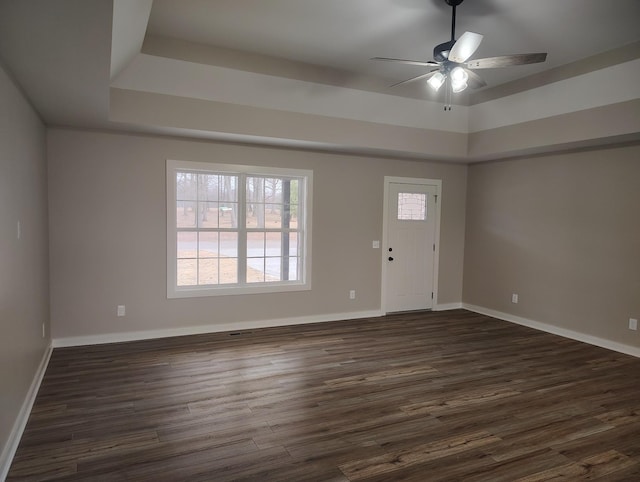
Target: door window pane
(412, 206)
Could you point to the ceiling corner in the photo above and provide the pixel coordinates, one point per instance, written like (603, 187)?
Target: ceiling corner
(130, 19)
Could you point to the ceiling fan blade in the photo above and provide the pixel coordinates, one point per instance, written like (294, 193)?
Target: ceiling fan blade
(426, 63)
(419, 77)
(465, 47)
(506, 61)
(474, 80)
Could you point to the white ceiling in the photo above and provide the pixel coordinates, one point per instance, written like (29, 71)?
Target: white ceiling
(66, 54)
(59, 53)
(345, 34)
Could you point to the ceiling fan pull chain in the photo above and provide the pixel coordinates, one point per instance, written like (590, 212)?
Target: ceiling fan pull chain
(447, 96)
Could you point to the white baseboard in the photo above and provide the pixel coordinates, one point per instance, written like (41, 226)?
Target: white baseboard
(447, 306)
(21, 420)
(555, 330)
(201, 329)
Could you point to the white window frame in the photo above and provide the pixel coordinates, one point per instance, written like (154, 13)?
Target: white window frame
(305, 203)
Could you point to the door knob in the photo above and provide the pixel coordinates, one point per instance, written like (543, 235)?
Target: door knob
(390, 258)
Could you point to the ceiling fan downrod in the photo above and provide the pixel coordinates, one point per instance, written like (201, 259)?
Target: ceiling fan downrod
(454, 4)
(441, 51)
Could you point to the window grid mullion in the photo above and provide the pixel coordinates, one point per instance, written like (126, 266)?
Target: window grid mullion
(206, 230)
(302, 226)
(242, 229)
(197, 213)
(271, 230)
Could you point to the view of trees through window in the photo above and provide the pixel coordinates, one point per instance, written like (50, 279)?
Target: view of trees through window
(237, 228)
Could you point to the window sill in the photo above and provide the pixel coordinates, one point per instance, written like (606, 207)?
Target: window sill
(201, 292)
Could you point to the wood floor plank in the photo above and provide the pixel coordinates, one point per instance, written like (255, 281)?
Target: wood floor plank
(475, 398)
(604, 464)
(361, 469)
(380, 376)
(410, 397)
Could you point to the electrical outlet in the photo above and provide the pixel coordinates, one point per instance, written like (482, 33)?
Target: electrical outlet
(633, 324)
(352, 294)
(514, 298)
(121, 310)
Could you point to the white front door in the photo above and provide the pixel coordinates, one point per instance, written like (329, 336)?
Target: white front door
(410, 246)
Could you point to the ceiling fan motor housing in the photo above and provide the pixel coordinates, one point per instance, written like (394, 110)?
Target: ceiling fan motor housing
(441, 51)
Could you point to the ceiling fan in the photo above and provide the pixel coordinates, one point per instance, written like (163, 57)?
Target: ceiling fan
(452, 60)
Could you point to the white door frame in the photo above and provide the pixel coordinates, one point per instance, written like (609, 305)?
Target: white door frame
(385, 247)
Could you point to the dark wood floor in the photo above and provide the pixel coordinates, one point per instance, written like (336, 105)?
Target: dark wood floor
(421, 396)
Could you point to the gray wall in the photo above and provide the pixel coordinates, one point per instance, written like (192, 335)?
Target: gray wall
(108, 233)
(24, 275)
(562, 231)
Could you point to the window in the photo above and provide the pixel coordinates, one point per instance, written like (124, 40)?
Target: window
(236, 229)
(412, 206)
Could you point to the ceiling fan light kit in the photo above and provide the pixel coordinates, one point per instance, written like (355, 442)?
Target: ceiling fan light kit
(454, 66)
(458, 79)
(436, 81)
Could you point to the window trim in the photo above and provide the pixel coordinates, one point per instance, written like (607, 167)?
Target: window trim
(175, 291)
